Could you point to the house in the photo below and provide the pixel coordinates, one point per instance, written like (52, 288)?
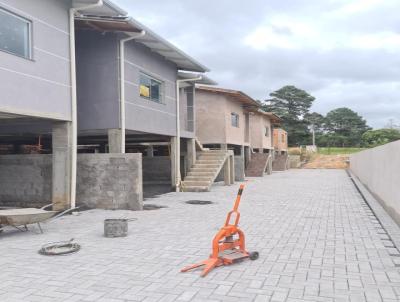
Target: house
(281, 157)
(62, 78)
(224, 118)
(36, 99)
(261, 142)
(136, 94)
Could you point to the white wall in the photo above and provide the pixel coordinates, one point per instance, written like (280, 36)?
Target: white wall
(379, 170)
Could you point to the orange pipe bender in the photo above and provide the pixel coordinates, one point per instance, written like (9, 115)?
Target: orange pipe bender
(228, 245)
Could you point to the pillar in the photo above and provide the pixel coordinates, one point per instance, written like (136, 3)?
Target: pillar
(62, 157)
(227, 171)
(114, 140)
(150, 151)
(173, 161)
(232, 169)
(247, 156)
(191, 152)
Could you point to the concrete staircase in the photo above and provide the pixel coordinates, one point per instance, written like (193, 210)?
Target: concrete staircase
(280, 163)
(204, 172)
(258, 165)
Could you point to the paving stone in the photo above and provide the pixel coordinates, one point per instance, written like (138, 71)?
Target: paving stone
(317, 238)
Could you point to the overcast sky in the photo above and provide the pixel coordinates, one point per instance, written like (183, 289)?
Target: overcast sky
(343, 52)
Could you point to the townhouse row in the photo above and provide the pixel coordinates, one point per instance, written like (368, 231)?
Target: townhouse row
(94, 107)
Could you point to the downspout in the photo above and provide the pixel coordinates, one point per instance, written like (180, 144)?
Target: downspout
(74, 115)
(178, 134)
(122, 84)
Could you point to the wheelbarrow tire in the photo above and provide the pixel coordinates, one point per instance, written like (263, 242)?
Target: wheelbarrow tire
(254, 255)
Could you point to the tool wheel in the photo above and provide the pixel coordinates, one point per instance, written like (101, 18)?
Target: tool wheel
(254, 255)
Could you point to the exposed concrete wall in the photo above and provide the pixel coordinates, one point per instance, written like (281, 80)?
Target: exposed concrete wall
(234, 135)
(379, 170)
(104, 180)
(110, 181)
(25, 180)
(258, 125)
(239, 170)
(157, 170)
(210, 117)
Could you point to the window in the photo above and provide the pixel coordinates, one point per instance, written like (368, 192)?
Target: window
(15, 34)
(150, 88)
(235, 119)
(267, 131)
(283, 138)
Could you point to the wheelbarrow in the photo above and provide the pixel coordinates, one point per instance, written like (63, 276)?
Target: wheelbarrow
(21, 218)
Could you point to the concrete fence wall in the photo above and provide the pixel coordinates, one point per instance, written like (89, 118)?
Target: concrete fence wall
(379, 170)
(25, 180)
(107, 181)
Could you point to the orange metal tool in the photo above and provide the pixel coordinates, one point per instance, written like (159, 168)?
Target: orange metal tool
(228, 245)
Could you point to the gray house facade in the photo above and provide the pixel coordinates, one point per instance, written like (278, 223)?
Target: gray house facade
(64, 93)
(130, 82)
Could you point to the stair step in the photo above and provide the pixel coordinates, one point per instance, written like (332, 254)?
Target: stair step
(200, 165)
(197, 178)
(209, 161)
(196, 189)
(197, 183)
(208, 173)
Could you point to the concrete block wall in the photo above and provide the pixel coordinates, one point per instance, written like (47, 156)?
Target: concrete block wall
(379, 170)
(25, 180)
(108, 181)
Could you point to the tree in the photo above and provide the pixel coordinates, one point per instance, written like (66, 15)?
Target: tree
(345, 127)
(317, 123)
(373, 138)
(291, 104)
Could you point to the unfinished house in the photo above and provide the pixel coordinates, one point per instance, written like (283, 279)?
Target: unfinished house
(38, 114)
(136, 95)
(223, 126)
(261, 142)
(281, 157)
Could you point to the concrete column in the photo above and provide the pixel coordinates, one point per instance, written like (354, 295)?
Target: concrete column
(247, 156)
(191, 152)
(114, 140)
(232, 169)
(173, 161)
(224, 146)
(227, 171)
(62, 150)
(150, 151)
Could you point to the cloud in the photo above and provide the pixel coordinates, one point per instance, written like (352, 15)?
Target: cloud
(344, 52)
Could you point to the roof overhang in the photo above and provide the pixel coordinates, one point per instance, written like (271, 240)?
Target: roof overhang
(275, 120)
(200, 78)
(107, 9)
(101, 21)
(239, 96)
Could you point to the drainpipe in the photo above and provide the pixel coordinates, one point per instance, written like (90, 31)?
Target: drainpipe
(122, 84)
(178, 134)
(74, 116)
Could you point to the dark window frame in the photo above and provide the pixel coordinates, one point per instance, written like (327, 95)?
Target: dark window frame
(29, 42)
(151, 80)
(235, 122)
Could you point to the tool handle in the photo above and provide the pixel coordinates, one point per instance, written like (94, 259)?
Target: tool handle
(239, 195)
(235, 208)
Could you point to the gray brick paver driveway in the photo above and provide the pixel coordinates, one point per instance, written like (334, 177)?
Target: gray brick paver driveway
(317, 241)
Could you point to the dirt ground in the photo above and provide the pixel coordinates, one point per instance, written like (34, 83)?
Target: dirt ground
(320, 161)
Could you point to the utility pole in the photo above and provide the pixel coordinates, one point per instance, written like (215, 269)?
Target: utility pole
(313, 134)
